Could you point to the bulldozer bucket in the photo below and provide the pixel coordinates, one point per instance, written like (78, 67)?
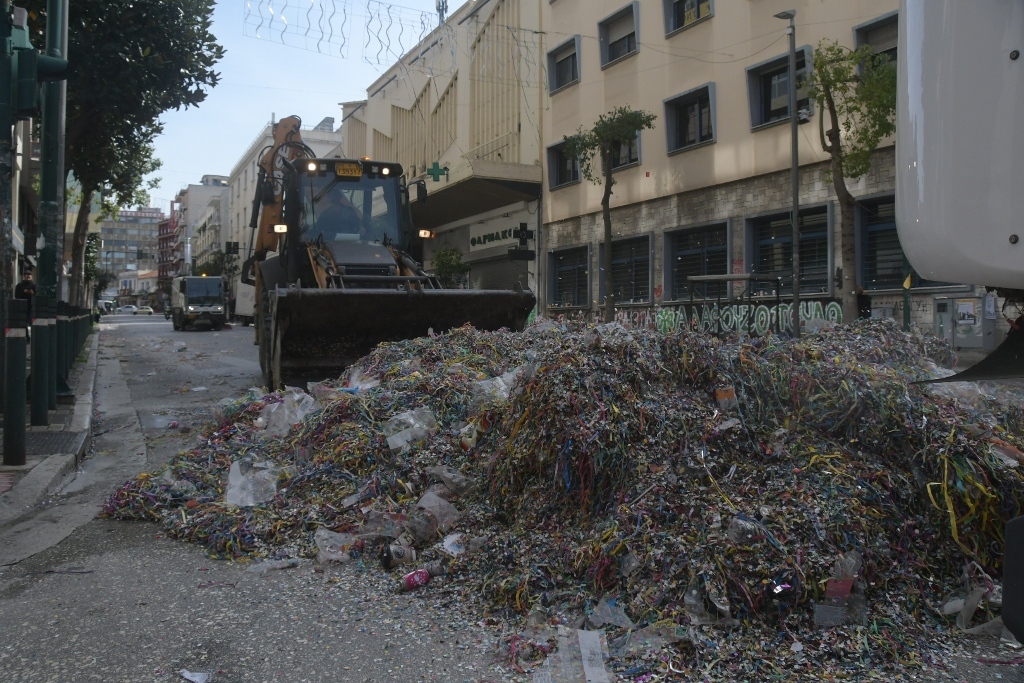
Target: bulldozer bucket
(1006, 362)
(325, 330)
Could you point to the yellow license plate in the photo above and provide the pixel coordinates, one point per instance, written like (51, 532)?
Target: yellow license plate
(348, 170)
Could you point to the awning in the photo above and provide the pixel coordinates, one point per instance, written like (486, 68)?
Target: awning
(491, 186)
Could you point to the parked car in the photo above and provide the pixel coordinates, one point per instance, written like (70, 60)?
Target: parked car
(143, 309)
(127, 309)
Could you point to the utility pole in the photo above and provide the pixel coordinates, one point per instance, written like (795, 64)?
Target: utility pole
(794, 171)
(52, 67)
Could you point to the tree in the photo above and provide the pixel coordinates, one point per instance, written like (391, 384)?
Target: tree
(857, 89)
(605, 140)
(129, 62)
(449, 267)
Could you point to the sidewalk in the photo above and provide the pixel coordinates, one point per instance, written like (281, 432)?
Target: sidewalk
(52, 452)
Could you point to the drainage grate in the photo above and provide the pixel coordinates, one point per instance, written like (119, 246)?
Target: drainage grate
(52, 443)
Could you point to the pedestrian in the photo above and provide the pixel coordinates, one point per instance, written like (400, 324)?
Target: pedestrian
(26, 289)
(863, 303)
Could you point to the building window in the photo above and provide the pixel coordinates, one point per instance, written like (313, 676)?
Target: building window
(881, 35)
(882, 259)
(682, 13)
(627, 154)
(690, 118)
(570, 277)
(631, 270)
(564, 64)
(698, 251)
(773, 251)
(768, 83)
(562, 168)
(618, 34)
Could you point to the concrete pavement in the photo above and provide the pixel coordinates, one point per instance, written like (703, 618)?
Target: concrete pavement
(54, 451)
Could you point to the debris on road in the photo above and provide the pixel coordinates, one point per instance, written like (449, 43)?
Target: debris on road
(735, 509)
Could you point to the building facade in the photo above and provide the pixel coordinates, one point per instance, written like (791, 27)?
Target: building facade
(165, 251)
(479, 110)
(208, 231)
(462, 113)
(706, 195)
(129, 241)
(190, 206)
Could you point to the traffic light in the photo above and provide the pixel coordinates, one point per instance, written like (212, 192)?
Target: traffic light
(29, 69)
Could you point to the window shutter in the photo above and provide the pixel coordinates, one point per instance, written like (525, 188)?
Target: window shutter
(882, 38)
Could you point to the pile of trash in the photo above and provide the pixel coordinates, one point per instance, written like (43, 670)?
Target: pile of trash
(663, 504)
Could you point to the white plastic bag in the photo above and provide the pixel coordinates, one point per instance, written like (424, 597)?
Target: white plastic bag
(408, 428)
(251, 483)
(278, 418)
(333, 547)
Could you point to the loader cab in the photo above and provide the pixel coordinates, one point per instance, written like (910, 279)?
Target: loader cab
(339, 201)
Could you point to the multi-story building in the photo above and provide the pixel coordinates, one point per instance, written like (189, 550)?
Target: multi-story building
(490, 95)
(321, 138)
(208, 230)
(190, 205)
(165, 252)
(129, 241)
(462, 113)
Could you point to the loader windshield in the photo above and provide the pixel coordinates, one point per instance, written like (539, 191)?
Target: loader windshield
(337, 208)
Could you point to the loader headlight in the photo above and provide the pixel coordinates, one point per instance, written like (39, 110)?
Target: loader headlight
(193, 309)
(280, 228)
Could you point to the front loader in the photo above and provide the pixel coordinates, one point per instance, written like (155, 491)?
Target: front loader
(333, 266)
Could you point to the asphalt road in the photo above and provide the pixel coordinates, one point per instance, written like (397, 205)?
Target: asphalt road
(88, 599)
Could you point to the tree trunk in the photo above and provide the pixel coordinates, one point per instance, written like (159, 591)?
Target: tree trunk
(606, 213)
(76, 292)
(847, 206)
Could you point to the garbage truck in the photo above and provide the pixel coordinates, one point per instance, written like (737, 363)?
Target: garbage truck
(959, 206)
(336, 264)
(197, 300)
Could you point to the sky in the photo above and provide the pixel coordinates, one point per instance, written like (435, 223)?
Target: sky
(283, 57)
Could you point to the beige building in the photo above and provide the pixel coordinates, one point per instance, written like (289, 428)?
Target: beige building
(478, 111)
(461, 111)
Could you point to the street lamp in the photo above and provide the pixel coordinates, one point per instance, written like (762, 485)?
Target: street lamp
(794, 171)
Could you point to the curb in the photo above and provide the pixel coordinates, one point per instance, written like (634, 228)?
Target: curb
(36, 485)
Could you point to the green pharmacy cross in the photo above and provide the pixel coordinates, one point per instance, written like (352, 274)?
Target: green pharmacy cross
(436, 171)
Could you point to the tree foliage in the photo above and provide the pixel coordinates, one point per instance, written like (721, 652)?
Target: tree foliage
(856, 90)
(129, 62)
(596, 149)
(450, 268)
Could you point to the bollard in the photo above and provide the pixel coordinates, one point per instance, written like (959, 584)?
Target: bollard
(15, 332)
(40, 363)
(76, 335)
(54, 371)
(62, 338)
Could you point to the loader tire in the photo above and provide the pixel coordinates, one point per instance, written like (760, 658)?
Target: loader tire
(265, 319)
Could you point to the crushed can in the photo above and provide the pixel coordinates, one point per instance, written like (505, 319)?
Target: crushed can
(436, 568)
(395, 554)
(414, 580)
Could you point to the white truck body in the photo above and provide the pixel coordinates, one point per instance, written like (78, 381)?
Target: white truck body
(245, 302)
(959, 150)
